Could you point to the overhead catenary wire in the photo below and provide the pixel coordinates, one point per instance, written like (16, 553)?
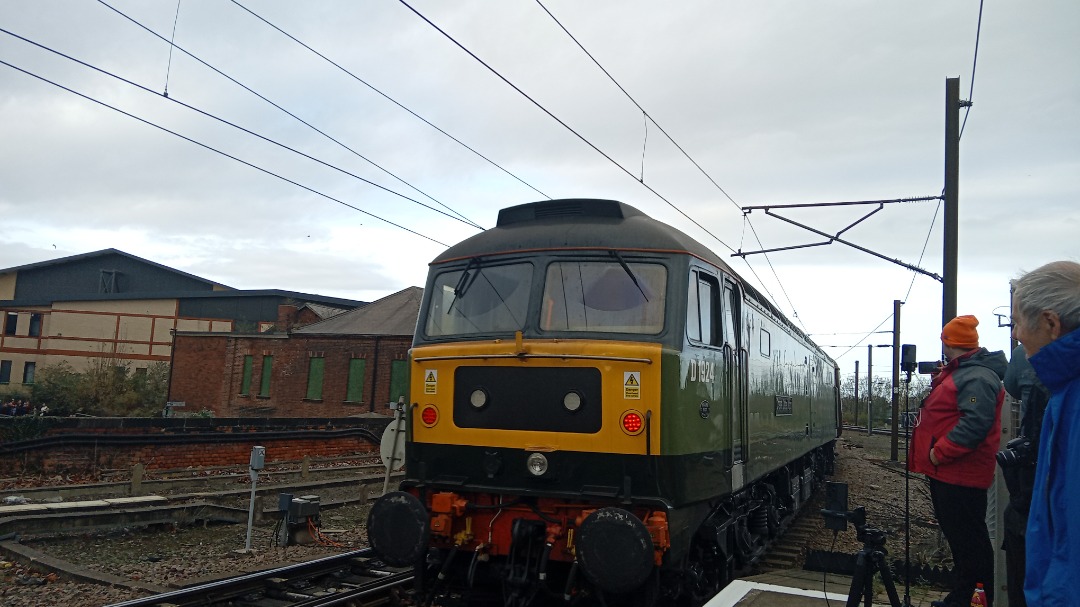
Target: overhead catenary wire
(231, 124)
(866, 337)
(391, 99)
(168, 66)
(217, 151)
(974, 62)
(286, 111)
(671, 139)
(560, 121)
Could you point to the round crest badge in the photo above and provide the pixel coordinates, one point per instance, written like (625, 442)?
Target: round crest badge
(703, 409)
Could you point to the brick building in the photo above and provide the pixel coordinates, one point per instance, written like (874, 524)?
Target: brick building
(110, 304)
(350, 364)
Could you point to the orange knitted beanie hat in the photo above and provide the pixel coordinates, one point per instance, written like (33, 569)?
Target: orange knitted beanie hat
(960, 332)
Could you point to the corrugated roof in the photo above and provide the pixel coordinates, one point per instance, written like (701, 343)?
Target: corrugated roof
(392, 315)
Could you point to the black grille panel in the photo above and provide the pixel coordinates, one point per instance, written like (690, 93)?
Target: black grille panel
(560, 209)
(528, 399)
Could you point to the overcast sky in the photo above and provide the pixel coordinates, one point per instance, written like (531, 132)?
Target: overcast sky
(777, 102)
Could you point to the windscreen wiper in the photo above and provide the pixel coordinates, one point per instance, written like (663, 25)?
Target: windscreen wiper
(629, 272)
(464, 282)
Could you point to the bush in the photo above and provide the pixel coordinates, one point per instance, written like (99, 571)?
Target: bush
(57, 386)
(25, 427)
(106, 388)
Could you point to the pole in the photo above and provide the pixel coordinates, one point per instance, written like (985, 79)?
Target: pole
(907, 489)
(894, 450)
(399, 418)
(856, 393)
(869, 390)
(251, 510)
(1012, 334)
(952, 190)
(256, 463)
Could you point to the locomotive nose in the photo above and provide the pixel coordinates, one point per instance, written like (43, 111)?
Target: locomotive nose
(615, 550)
(398, 528)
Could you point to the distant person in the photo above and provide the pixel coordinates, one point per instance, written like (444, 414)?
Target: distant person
(1046, 320)
(954, 445)
(1017, 463)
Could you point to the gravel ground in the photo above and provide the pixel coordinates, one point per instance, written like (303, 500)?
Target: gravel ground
(168, 557)
(183, 555)
(877, 483)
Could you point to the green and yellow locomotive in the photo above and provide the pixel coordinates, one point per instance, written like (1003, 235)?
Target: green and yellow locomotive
(600, 407)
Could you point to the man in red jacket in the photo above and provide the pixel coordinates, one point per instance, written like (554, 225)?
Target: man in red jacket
(954, 444)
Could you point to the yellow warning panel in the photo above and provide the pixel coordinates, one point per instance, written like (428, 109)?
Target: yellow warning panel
(431, 381)
(632, 385)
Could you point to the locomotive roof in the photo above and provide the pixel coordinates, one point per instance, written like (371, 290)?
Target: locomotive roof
(591, 223)
(577, 223)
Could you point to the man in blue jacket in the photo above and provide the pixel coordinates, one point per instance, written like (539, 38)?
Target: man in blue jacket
(1046, 320)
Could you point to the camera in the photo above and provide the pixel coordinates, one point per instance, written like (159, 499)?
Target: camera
(1017, 452)
(929, 367)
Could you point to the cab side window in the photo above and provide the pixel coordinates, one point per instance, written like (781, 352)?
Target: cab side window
(703, 324)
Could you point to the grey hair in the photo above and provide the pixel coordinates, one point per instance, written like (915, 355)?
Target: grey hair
(1054, 286)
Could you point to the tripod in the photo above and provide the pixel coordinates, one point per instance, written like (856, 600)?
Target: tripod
(871, 559)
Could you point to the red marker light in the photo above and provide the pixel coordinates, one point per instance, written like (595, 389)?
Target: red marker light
(632, 422)
(429, 415)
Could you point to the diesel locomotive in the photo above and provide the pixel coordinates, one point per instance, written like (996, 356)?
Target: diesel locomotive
(601, 410)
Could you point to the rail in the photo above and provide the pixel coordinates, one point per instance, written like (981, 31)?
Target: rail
(331, 580)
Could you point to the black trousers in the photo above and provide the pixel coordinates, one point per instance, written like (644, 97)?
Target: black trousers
(1014, 545)
(961, 512)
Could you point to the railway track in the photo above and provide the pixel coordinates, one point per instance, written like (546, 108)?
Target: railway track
(354, 579)
(884, 431)
(358, 579)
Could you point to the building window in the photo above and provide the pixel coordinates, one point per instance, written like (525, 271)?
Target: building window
(28, 373)
(10, 322)
(264, 381)
(245, 381)
(108, 282)
(399, 380)
(315, 377)
(354, 389)
(35, 325)
(5, 371)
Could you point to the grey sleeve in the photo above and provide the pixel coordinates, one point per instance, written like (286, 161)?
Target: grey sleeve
(976, 395)
(1018, 375)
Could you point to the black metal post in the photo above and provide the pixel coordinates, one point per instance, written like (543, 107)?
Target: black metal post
(869, 390)
(952, 189)
(856, 393)
(894, 451)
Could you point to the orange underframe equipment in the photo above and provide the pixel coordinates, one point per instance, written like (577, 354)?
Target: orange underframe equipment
(483, 523)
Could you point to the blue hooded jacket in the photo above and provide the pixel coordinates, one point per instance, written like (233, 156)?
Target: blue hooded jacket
(1053, 531)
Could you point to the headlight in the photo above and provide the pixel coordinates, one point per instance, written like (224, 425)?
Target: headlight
(537, 464)
(478, 399)
(572, 401)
